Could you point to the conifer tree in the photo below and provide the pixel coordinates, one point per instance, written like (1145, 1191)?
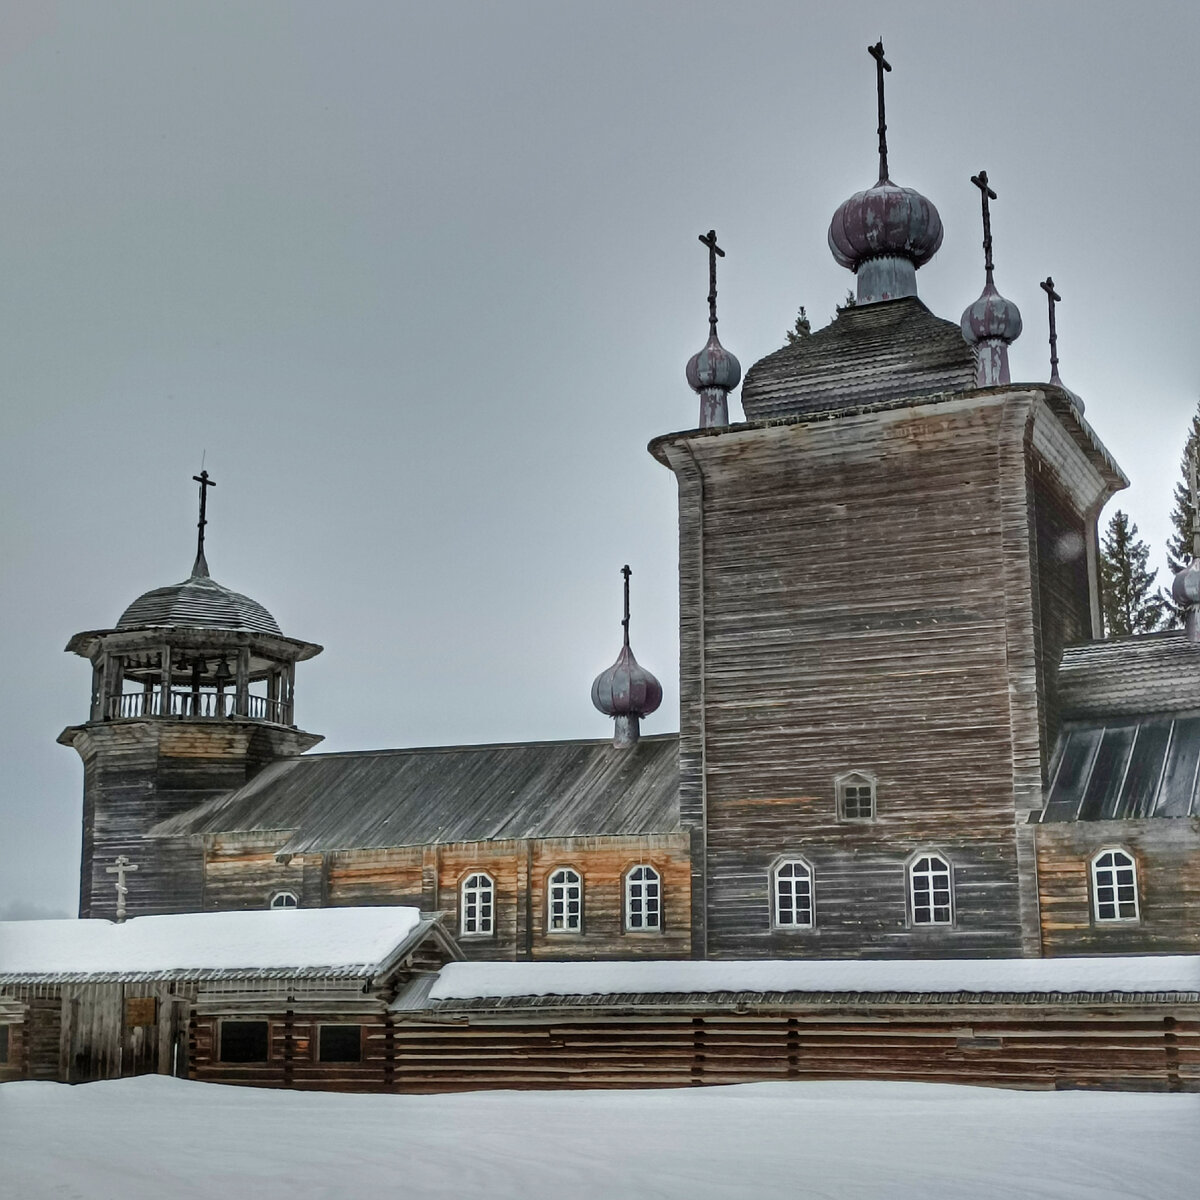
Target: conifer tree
(801, 330)
(1130, 602)
(1179, 544)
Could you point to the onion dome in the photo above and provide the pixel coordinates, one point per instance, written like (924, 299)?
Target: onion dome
(885, 221)
(713, 367)
(199, 602)
(991, 316)
(1185, 591)
(626, 691)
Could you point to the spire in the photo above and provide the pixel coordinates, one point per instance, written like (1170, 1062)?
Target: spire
(713, 372)
(1053, 298)
(884, 234)
(992, 323)
(200, 567)
(626, 691)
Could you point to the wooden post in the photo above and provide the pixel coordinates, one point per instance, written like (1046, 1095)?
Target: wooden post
(165, 684)
(241, 699)
(289, 716)
(97, 709)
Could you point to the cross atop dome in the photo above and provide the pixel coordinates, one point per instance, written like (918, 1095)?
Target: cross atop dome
(885, 233)
(713, 372)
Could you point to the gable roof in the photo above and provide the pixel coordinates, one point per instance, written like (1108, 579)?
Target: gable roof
(441, 794)
(327, 943)
(869, 353)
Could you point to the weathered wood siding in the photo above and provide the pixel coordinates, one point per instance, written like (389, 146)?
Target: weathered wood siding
(140, 772)
(1132, 1048)
(1167, 854)
(857, 594)
(432, 877)
(241, 871)
(14, 1064)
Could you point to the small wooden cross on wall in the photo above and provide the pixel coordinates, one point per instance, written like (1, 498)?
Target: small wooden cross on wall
(714, 252)
(120, 868)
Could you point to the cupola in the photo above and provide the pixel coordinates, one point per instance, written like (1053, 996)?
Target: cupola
(713, 372)
(626, 691)
(884, 233)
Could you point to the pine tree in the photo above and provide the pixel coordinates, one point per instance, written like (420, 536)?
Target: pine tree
(1130, 603)
(1179, 545)
(801, 330)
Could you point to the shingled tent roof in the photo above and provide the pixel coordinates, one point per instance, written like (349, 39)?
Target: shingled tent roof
(442, 794)
(873, 352)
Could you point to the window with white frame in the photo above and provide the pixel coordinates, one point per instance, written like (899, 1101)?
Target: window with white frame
(930, 890)
(1114, 886)
(643, 899)
(565, 908)
(792, 892)
(285, 900)
(856, 796)
(477, 914)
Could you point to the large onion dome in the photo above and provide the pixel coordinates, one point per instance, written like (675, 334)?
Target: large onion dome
(885, 221)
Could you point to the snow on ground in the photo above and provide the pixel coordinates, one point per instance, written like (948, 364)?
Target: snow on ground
(164, 1139)
(267, 940)
(1144, 973)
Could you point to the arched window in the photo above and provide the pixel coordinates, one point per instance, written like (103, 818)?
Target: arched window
(285, 900)
(477, 912)
(930, 890)
(565, 909)
(1114, 886)
(792, 892)
(643, 899)
(855, 796)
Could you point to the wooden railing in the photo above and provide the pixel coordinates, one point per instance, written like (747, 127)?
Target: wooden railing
(184, 702)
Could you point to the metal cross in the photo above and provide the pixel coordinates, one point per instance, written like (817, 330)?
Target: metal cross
(625, 623)
(881, 65)
(205, 483)
(986, 193)
(714, 252)
(121, 868)
(1052, 298)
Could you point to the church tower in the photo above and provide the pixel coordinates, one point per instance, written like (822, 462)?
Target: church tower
(193, 692)
(879, 569)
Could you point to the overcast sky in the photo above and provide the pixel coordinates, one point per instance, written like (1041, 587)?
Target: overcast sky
(421, 281)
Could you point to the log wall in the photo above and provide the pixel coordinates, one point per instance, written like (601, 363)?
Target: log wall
(856, 594)
(1167, 853)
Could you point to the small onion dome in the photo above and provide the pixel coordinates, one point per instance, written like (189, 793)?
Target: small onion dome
(713, 367)
(885, 221)
(1186, 589)
(991, 316)
(626, 689)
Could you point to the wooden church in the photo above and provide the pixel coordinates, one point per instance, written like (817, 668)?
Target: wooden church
(933, 754)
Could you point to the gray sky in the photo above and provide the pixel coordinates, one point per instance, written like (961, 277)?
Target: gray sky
(421, 279)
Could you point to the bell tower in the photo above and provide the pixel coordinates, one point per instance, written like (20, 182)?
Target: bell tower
(193, 692)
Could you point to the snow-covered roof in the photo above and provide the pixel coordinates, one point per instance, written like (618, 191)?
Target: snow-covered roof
(685, 981)
(325, 942)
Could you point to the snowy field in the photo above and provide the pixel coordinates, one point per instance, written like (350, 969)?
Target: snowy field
(162, 1138)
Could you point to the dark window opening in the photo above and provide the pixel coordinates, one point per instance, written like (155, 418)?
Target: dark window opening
(244, 1041)
(3, 1043)
(340, 1043)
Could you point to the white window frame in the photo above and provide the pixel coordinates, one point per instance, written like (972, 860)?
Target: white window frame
(560, 884)
(477, 889)
(1114, 883)
(279, 899)
(788, 871)
(641, 879)
(912, 874)
(854, 779)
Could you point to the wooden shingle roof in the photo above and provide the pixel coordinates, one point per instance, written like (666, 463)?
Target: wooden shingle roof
(443, 794)
(870, 353)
